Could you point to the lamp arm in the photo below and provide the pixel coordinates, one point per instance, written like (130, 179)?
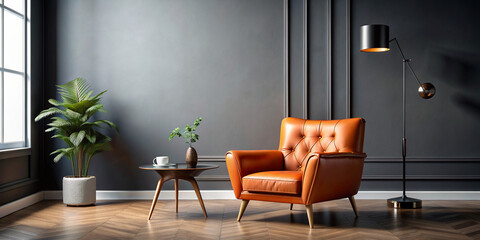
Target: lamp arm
(399, 48)
(408, 62)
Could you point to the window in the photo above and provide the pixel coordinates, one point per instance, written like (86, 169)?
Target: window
(14, 73)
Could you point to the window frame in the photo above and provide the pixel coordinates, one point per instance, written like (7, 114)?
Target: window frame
(25, 74)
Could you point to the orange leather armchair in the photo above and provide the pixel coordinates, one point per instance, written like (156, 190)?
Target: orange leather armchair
(317, 160)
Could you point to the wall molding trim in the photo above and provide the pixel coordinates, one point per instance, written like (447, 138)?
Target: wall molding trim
(378, 177)
(286, 66)
(427, 159)
(219, 158)
(223, 195)
(380, 159)
(329, 59)
(213, 178)
(421, 177)
(305, 59)
(348, 46)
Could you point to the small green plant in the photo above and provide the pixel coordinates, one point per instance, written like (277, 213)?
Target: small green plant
(188, 134)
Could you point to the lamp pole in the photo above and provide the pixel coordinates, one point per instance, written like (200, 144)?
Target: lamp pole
(404, 139)
(404, 201)
(404, 109)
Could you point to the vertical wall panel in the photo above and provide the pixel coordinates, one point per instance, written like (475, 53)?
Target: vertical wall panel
(339, 71)
(318, 65)
(296, 57)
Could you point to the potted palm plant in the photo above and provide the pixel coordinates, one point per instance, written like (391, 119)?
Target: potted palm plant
(73, 125)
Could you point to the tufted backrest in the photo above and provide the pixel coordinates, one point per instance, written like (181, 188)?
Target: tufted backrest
(300, 137)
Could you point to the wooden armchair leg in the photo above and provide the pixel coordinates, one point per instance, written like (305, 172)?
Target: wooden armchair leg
(242, 209)
(354, 205)
(310, 215)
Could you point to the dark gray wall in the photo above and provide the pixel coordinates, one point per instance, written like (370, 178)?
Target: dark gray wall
(442, 133)
(167, 62)
(20, 169)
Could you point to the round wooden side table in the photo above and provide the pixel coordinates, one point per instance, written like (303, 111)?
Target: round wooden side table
(179, 171)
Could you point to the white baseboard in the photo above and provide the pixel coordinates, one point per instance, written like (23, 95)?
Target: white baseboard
(224, 194)
(228, 194)
(148, 195)
(424, 195)
(20, 203)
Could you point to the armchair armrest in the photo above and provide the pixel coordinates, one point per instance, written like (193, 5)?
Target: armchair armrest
(329, 176)
(243, 162)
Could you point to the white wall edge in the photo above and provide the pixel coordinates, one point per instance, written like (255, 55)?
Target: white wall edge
(148, 195)
(20, 203)
(228, 194)
(424, 195)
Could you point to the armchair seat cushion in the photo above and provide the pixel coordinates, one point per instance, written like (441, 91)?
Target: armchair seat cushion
(284, 182)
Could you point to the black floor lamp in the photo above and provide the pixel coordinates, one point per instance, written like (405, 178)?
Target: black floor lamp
(375, 38)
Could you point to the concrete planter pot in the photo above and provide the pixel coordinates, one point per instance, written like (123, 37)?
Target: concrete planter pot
(79, 191)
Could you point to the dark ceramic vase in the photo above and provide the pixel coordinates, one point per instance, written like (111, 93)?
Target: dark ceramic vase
(191, 157)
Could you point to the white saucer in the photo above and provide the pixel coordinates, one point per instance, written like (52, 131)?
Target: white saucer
(165, 165)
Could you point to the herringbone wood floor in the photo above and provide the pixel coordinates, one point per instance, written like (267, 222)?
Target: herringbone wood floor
(262, 220)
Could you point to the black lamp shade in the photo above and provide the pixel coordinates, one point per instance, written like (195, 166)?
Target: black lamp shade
(374, 38)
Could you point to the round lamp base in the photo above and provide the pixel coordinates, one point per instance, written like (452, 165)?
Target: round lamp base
(404, 203)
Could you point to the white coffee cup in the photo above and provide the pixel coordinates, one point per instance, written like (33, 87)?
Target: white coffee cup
(160, 160)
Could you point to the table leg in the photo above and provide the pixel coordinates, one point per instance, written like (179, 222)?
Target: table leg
(176, 195)
(157, 192)
(199, 196)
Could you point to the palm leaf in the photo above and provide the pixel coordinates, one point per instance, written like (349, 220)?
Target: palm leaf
(54, 102)
(51, 129)
(60, 122)
(48, 112)
(91, 138)
(72, 114)
(93, 109)
(62, 137)
(58, 157)
(111, 124)
(61, 152)
(74, 91)
(88, 95)
(67, 93)
(99, 147)
(77, 137)
(97, 97)
(80, 107)
(88, 124)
